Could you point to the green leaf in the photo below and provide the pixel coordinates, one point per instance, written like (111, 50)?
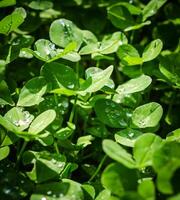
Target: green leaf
(134, 85)
(112, 114)
(8, 125)
(45, 165)
(127, 137)
(89, 191)
(147, 189)
(42, 121)
(6, 3)
(46, 139)
(85, 140)
(40, 5)
(116, 152)
(134, 10)
(172, 77)
(120, 16)
(5, 95)
(152, 50)
(12, 21)
(131, 196)
(129, 55)
(174, 136)
(115, 178)
(59, 75)
(65, 133)
(144, 148)
(62, 32)
(176, 197)
(32, 92)
(99, 80)
(74, 190)
(89, 49)
(111, 43)
(45, 49)
(151, 8)
(137, 26)
(21, 119)
(104, 195)
(4, 152)
(147, 115)
(166, 160)
(16, 45)
(128, 100)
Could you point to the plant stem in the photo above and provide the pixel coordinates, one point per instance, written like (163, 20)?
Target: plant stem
(98, 168)
(56, 147)
(21, 151)
(75, 100)
(73, 110)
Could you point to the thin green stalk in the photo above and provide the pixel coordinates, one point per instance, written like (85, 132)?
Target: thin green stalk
(98, 63)
(56, 147)
(75, 100)
(21, 151)
(98, 168)
(73, 111)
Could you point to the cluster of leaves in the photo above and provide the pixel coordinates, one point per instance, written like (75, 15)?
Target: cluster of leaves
(89, 99)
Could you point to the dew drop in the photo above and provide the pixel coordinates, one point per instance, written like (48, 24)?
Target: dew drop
(131, 134)
(59, 104)
(52, 46)
(47, 51)
(65, 104)
(49, 192)
(60, 165)
(54, 161)
(70, 86)
(7, 191)
(142, 123)
(61, 195)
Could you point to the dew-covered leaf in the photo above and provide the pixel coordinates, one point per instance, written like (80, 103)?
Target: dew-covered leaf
(12, 21)
(112, 114)
(59, 75)
(21, 119)
(127, 137)
(62, 32)
(147, 115)
(46, 165)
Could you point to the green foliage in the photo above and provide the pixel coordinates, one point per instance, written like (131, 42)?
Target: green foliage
(89, 100)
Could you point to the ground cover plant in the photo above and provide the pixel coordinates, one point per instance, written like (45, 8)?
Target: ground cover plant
(89, 100)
